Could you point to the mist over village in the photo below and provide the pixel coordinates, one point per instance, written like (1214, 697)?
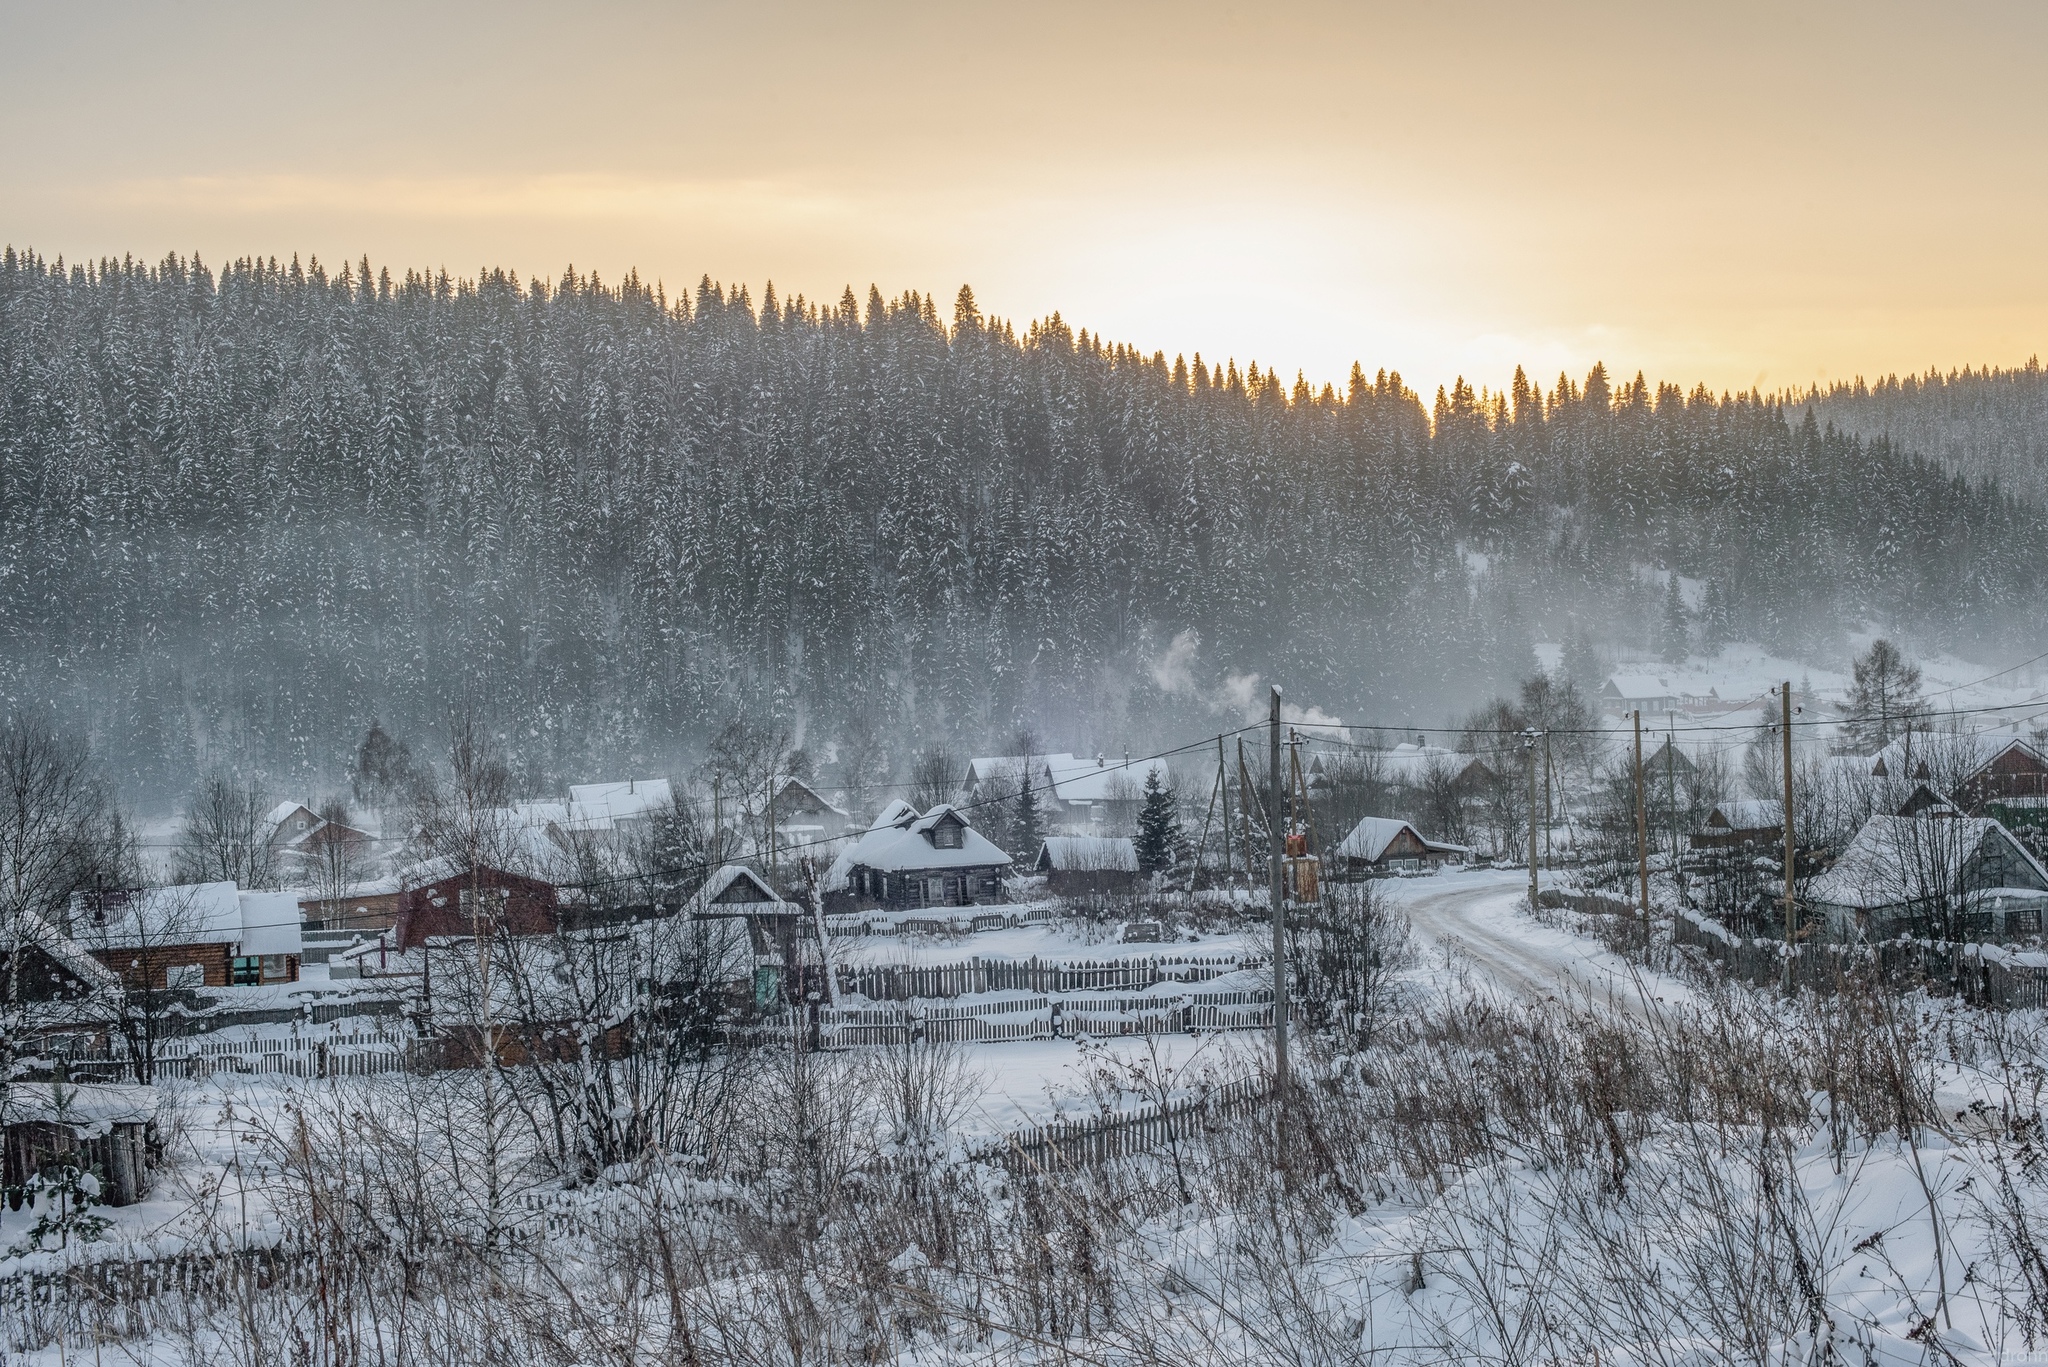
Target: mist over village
(1139, 686)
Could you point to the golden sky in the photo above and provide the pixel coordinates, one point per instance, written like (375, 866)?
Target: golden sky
(1735, 193)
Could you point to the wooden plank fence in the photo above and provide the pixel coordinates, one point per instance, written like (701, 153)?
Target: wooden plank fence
(1985, 974)
(1098, 1139)
(904, 982)
(385, 1047)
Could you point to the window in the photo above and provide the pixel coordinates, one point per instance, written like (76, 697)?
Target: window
(184, 977)
(275, 969)
(247, 971)
(946, 835)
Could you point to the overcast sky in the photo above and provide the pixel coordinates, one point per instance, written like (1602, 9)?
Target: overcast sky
(1740, 194)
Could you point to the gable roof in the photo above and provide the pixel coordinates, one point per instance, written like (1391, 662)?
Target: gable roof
(1370, 838)
(1087, 854)
(1893, 857)
(899, 842)
(1917, 755)
(1637, 688)
(736, 878)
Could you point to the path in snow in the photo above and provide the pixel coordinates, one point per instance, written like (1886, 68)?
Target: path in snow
(1481, 917)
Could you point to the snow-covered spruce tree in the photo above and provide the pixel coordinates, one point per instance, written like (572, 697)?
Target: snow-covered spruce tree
(1159, 834)
(1026, 829)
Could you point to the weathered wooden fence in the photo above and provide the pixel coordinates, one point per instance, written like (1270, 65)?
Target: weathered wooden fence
(381, 1046)
(903, 982)
(1990, 975)
(1097, 1139)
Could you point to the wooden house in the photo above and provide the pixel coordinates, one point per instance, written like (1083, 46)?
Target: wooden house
(910, 860)
(1382, 845)
(455, 905)
(193, 935)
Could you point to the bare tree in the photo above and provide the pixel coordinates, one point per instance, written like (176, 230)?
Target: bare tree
(59, 832)
(224, 838)
(934, 778)
(863, 767)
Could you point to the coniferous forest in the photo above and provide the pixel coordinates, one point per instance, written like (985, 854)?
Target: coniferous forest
(244, 512)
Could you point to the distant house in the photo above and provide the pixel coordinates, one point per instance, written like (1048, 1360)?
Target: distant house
(194, 935)
(455, 905)
(1078, 865)
(1932, 875)
(802, 815)
(1081, 795)
(1638, 692)
(1415, 765)
(297, 835)
(1969, 769)
(909, 860)
(616, 804)
(1668, 760)
(1380, 844)
(371, 905)
(1748, 822)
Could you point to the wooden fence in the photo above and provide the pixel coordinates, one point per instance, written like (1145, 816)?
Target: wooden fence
(1097, 1139)
(386, 1046)
(1986, 974)
(904, 982)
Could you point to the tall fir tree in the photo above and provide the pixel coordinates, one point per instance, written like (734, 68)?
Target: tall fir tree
(1159, 836)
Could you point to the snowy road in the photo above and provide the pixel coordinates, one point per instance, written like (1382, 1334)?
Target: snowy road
(1479, 918)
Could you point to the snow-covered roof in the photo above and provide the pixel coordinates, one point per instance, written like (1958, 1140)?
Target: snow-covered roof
(592, 803)
(69, 954)
(1079, 781)
(720, 882)
(281, 813)
(1410, 763)
(1088, 854)
(198, 914)
(187, 913)
(1899, 859)
(901, 840)
(1370, 838)
(86, 1107)
(982, 768)
(270, 923)
(1637, 688)
(1749, 814)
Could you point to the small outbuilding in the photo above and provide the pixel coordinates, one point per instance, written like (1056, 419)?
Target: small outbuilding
(100, 1128)
(1081, 865)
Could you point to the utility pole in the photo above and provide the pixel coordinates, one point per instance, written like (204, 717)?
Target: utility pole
(1671, 801)
(1642, 832)
(1276, 894)
(1223, 779)
(1791, 906)
(1529, 765)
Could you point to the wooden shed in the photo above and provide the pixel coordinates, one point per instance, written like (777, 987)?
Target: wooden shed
(101, 1128)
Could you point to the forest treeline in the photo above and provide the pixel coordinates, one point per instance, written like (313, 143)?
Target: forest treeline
(1990, 422)
(243, 513)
